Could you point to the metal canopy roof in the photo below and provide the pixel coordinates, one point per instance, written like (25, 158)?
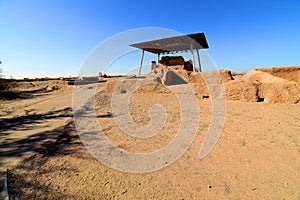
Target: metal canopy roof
(174, 44)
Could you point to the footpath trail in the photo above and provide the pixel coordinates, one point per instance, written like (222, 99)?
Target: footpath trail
(23, 130)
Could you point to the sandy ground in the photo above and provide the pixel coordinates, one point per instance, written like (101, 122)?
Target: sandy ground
(256, 157)
(25, 124)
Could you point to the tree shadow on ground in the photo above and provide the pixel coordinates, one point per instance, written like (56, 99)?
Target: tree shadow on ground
(19, 187)
(11, 147)
(24, 180)
(25, 122)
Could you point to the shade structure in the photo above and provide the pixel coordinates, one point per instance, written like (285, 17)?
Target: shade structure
(174, 44)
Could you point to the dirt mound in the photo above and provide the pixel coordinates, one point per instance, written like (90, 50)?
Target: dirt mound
(153, 88)
(25, 86)
(200, 81)
(58, 85)
(262, 77)
(254, 86)
(110, 84)
(241, 90)
(287, 92)
(216, 76)
(148, 84)
(258, 85)
(289, 73)
(261, 85)
(200, 90)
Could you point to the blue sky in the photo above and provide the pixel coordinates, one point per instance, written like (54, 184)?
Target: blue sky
(52, 38)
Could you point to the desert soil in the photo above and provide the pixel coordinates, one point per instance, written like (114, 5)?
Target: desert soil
(256, 157)
(25, 124)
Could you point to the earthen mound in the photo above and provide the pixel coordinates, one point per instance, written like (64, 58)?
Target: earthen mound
(289, 73)
(59, 85)
(266, 85)
(242, 90)
(262, 77)
(217, 76)
(259, 85)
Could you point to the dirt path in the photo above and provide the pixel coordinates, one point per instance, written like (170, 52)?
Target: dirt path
(257, 157)
(23, 129)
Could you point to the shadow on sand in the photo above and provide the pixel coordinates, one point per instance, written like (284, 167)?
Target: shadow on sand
(24, 180)
(20, 186)
(26, 122)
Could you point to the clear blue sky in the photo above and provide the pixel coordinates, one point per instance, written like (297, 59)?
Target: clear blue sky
(52, 38)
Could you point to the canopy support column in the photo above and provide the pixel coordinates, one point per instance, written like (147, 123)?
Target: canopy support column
(198, 54)
(158, 58)
(193, 59)
(141, 63)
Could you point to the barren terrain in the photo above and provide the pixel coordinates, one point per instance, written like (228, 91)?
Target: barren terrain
(256, 157)
(27, 123)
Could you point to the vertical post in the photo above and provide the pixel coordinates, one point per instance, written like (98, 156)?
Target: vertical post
(193, 59)
(200, 70)
(141, 63)
(158, 58)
